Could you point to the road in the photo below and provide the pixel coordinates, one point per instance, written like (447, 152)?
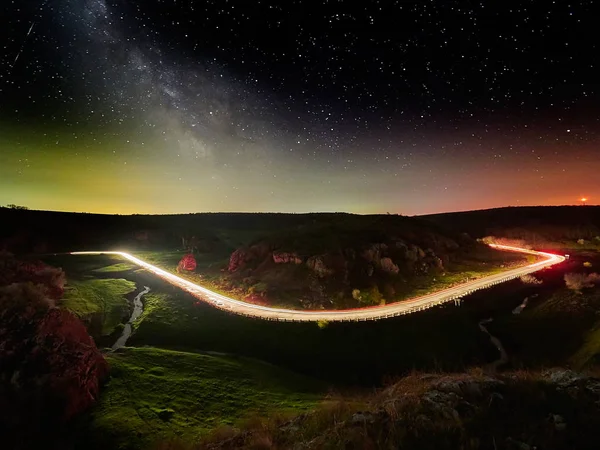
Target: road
(371, 313)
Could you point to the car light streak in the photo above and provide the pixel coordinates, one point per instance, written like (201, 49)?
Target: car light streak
(360, 314)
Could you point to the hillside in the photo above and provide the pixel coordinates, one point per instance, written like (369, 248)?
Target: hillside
(555, 227)
(554, 409)
(356, 261)
(156, 394)
(300, 261)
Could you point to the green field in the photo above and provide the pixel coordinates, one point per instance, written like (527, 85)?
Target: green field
(158, 395)
(103, 298)
(189, 371)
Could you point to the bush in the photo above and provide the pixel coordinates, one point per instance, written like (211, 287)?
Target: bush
(579, 281)
(50, 368)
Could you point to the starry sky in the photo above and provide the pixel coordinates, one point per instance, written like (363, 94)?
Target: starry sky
(177, 106)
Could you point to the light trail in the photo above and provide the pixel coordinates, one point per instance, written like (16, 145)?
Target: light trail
(371, 313)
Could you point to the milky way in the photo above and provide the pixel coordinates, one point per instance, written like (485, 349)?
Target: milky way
(113, 106)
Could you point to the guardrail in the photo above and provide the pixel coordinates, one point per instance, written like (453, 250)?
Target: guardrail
(358, 315)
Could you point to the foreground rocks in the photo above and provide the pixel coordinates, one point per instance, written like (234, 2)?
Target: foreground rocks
(555, 409)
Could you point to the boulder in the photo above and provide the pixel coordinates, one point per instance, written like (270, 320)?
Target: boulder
(388, 266)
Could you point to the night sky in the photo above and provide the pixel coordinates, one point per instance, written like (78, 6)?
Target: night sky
(176, 106)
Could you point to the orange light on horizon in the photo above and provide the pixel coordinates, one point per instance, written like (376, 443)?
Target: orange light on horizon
(584, 200)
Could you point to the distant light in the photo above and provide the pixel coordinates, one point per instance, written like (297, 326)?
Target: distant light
(584, 199)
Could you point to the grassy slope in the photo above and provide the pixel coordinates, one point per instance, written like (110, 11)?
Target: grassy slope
(519, 410)
(99, 296)
(159, 394)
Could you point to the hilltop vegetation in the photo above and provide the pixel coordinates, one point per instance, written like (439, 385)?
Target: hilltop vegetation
(357, 261)
(551, 227)
(303, 261)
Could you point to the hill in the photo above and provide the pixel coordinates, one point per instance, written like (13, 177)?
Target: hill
(302, 261)
(342, 262)
(554, 409)
(157, 394)
(557, 227)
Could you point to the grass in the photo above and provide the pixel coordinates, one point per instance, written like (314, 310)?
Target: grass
(344, 353)
(102, 297)
(119, 267)
(157, 394)
(428, 411)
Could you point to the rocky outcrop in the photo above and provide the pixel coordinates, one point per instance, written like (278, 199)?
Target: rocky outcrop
(388, 266)
(318, 266)
(244, 256)
(286, 258)
(238, 259)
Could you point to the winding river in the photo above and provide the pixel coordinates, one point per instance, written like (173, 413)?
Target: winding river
(138, 309)
(496, 342)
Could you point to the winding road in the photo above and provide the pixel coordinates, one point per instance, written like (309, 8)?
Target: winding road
(372, 313)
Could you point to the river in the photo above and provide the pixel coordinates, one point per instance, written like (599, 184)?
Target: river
(503, 355)
(138, 309)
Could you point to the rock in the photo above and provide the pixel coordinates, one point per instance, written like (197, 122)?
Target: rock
(286, 258)
(562, 377)
(387, 265)
(467, 385)
(443, 403)
(238, 259)
(362, 418)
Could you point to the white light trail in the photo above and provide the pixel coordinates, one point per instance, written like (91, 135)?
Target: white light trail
(371, 313)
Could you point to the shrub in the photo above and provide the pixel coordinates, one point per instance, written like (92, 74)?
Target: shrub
(322, 324)
(579, 281)
(530, 279)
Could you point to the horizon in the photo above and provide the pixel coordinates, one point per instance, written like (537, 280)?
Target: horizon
(26, 208)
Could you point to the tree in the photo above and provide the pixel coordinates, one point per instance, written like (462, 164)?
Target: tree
(11, 206)
(579, 281)
(50, 368)
(188, 262)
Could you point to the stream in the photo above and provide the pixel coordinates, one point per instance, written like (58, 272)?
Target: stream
(496, 342)
(138, 309)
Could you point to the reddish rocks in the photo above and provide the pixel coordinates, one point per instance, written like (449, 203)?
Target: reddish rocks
(286, 258)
